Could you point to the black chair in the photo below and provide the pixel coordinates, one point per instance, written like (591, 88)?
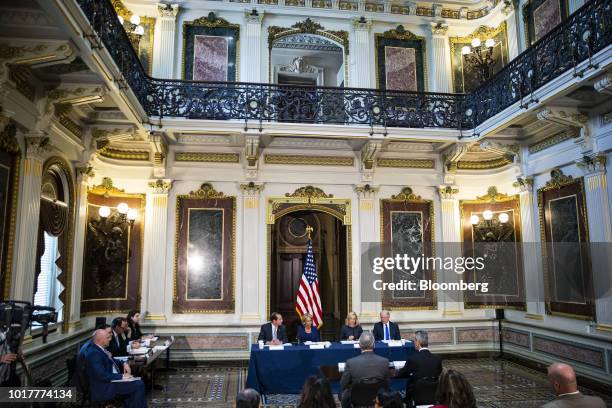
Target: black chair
(77, 377)
(425, 391)
(363, 392)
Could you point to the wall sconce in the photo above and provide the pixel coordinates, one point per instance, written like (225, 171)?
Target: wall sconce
(480, 55)
(133, 29)
(487, 216)
(126, 214)
(490, 228)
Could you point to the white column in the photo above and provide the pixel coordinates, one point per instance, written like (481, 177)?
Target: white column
(250, 68)
(513, 36)
(532, 251)
(163, 41)
(367, 233)
(27, 219)
(600, 234)
(362, 57)
(575, 5)
(440, 80)
(451, 239)
(80, 224)
(251, 224)
(155, 245)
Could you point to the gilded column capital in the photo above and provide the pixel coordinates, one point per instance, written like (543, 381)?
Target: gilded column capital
(254, 16)
(524, 184)
(37, 144)
(366, 191)
(439, 28)
(160, 186)
(592, 165)
(447, 192)
(362, 23)
(84, 172)
(168, 11)
(251, 189)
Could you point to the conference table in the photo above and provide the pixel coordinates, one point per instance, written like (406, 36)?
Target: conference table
(284, 371)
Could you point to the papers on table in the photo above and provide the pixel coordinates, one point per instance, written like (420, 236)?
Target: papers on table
(398, 364)
(350, 342)
(141, 350)
(159, 348)
(317, 345)
(341, 367)
(395, 343)
(126, 379)
(356, 345)
(277, 347)
(124, 358)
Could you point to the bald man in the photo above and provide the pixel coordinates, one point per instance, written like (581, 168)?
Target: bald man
(563, 380)
(103, 371)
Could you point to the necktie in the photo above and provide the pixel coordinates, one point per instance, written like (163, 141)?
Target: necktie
(274, 333)
(387, 337)
(115, 368)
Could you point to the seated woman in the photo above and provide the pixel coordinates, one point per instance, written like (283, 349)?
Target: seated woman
(133, 319)
(351, 329)
(307, 332)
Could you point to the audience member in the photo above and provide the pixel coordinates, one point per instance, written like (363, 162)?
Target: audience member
(563, 381)
(273, 332)
(388, 399)
(89, 342)
(386, 330)
(454, 391)
(247, 398)
(133, 321)
(316, 393)
(102, 370)
(351, 330)
(307, 332)
(120, 345)
(366, 365)
(420, 365)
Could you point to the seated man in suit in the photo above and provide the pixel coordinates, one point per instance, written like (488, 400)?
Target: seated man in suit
(366, 365)
(420, 365)
(89, 342)
(386, 330)
(120, 345)
(102, 370)
(273, 332)
(563, 380)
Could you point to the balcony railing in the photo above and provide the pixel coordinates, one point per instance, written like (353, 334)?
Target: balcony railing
(582, 35)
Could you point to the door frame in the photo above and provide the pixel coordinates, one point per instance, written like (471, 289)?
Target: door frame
(309, 198)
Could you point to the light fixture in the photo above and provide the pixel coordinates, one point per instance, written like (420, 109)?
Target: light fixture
(503, 218)
(476, 42)
(121, 20)
(474, 219)
(465, 50)
(487, 215)
(135, 19)
(490, 43)
(104, 211)
(139, 30)
(123, 208)
(133, 29)
(480, 55)
(132, 214)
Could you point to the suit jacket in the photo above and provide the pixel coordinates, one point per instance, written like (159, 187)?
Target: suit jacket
(303, 337)
(350, 331)
(118, 346)
(363, 366)
(379, 331)
(265, 333)
(575, 401)
(418, 365)
(135, 334)
(99, 369)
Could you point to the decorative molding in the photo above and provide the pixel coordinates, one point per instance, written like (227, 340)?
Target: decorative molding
(400, 33)
(369, 151)
(447, 192)
(524, 184)
(211, 21)
(406, 163)
(453, 155)
(254, 16)
(206, 190)
(481, 32)
(169, 11)
(553, 140)
(160, 186)
(565, 117)
(366, 191)
(483, 164)
(604, 84)
(107, 189)
(8, 139)
(439, 28)
(251, 188)
(510, 151)
(406, 194)
(492, 196)
(310, 192)
(207, 157)
(557, 179)
(124, 154)
(308, 27)
(299, 160)
(592, 164)
(362, 23)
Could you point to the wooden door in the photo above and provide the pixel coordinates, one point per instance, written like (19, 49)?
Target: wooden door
(288, 277)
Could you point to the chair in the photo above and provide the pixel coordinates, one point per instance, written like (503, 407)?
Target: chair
(77, 377)
(425, 391)
(363, 392)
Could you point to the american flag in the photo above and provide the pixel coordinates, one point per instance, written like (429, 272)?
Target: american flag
(308, 300)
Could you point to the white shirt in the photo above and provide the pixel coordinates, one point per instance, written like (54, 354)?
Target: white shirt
(115, 368)
(274, 333)
(568, 393)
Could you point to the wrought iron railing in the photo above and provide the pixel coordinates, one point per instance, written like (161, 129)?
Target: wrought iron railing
(582, 35)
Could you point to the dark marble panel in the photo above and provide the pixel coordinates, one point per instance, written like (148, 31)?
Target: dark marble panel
(394, 55)
(546, 17)
(407, 238)
(208, 58)
(205, 254)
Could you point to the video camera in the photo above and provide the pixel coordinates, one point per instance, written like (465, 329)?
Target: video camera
(17, 316)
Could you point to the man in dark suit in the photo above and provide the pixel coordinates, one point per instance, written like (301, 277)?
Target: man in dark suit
(386, 330)
(119, 345)
(366, 365)
(563, 380)
(102, 370)
(420, 365)
(273, 332)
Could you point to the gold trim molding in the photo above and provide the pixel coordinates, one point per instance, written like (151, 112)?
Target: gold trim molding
(483, 164)
(299, 160)
(406, 163)
(207, 157)
(206, 191)
(121, 154)
(492, 196)
(551, 141)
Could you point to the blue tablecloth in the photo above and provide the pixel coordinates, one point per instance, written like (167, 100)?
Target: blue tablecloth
(284, 371)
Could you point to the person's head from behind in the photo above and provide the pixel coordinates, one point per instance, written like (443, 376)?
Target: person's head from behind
(247, 398)
(316, 393)
(101, 337)
(562, 378)
(421, 339)
(388, 399)
(276, 319)
(366, 341)
(454, 390)
(133, 316)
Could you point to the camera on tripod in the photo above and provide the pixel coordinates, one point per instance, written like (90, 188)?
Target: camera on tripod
(17, 316)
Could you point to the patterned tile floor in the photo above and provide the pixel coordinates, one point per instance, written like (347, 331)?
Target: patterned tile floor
(497, 384)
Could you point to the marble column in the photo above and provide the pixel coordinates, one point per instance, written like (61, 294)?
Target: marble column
(440, 65)
(251, 225)
(367, 233)
(84, 174)
(163, 41)
(27, 218)
(600, 234)
(532, 251)
(155, 246)
(250, 70)
(450, 303)
(362, 62)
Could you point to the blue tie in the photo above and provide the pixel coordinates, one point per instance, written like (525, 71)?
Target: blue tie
(387, 332)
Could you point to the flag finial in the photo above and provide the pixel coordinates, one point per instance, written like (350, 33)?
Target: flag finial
(309, 231)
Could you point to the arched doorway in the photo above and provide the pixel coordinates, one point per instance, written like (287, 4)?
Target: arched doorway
(287, 219)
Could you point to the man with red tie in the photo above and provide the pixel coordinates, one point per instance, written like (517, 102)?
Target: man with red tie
(386, 330)
(103, 371)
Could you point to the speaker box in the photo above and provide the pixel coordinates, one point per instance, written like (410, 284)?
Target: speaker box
(499, 314)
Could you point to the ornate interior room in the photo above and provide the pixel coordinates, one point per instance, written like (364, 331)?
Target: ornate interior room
(171, 158)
